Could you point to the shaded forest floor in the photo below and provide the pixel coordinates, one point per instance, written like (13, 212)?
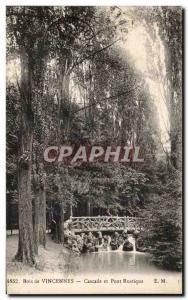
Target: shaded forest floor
(55, 258)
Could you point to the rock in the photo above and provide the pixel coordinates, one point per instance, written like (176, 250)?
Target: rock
(136, 233)
(141, 249)
(127, 246)
(114, 244)
(114, 247)
(125, 235)
(121, 240)
(140, 245)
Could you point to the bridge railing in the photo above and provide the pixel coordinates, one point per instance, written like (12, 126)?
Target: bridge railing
(104, 223)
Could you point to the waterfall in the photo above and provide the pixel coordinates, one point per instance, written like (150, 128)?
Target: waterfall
(109, 247)
(120, 248)
(132, 241)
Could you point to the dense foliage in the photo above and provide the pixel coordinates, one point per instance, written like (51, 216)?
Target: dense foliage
(74, 86)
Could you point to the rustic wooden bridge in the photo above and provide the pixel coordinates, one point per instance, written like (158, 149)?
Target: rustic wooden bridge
(104, 223)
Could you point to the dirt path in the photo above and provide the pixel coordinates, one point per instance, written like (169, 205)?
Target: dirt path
(55, 258)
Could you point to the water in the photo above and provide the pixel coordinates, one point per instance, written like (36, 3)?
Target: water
(112, 262)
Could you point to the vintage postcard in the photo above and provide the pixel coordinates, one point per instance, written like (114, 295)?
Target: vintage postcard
(94, 137)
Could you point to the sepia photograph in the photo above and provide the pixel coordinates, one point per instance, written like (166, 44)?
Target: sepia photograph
(94, 150)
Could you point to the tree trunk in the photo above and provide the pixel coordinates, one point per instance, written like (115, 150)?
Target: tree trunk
(36, 219)
(63, 127)
(61, 223)
(38, 167)
(26, 246)
(175, 132)
(71, 211)
(39, 211)
(88, 208)
(42, 217)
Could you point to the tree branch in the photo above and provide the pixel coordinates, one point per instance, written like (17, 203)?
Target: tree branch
(92, 55)
(107, 98)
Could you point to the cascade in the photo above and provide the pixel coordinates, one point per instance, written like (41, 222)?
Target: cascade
(120, 248)
(132, 241)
